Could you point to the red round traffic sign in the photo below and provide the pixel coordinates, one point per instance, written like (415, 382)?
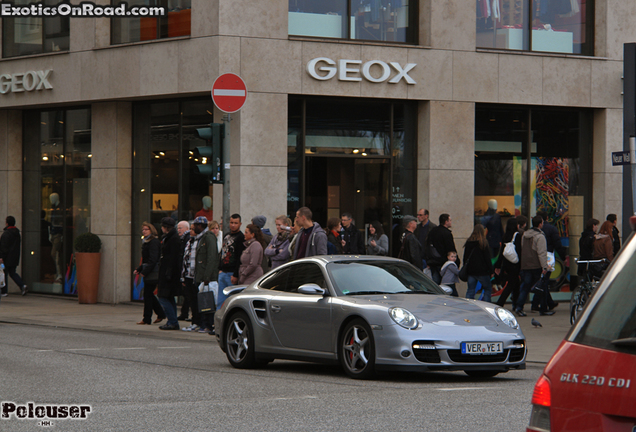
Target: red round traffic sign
(229, 92)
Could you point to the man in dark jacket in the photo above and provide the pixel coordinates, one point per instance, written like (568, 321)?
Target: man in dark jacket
(439, 243)
(424, 226)
(411, 250)
(10, 254)
(352, 241)
(230, 260)
(169, 272)
(616, 238)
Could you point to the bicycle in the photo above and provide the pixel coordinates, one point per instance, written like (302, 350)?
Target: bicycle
(584, 291)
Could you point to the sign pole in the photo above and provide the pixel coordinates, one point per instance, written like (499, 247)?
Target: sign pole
(226, 175)
(632, 161)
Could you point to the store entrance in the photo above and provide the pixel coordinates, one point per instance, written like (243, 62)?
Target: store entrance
(357, 185)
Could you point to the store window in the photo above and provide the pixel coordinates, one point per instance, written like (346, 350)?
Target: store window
(372, 20)
(355, 156)
(30, 35)
(529, 160)
(174, 24)
(57, 195)
(560, 26)
(166, 181)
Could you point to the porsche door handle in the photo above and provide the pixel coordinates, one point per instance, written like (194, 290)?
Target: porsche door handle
(275, 308)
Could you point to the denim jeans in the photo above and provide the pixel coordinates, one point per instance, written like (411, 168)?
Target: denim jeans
(170, 307)
(225, 280)
(486, 286)
(528, 279)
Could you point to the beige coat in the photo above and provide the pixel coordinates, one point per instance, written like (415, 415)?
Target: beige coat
(251, 259)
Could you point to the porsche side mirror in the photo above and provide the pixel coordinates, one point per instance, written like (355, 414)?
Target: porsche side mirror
(311, 288)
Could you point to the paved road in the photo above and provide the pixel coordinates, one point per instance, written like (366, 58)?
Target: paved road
(161, 383)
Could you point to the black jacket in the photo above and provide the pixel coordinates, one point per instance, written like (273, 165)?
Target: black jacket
(10, 247)
(150, 254)
(479, 260)
(170, 264)
(354, 243)
(442, 239)
(411, 250)
(421, 232)
(616, 240)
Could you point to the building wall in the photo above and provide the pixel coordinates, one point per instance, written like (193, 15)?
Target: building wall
(249, 37)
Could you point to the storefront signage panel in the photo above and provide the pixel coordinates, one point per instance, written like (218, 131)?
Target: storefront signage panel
(27, 81)
(349, 70)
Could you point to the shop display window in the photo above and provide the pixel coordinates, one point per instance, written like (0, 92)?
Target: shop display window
(31, 35)
(176, 23)
(166, 182)
(355, 156)
(559, 26)
(57, 196)
(373, 20)
(530, 160)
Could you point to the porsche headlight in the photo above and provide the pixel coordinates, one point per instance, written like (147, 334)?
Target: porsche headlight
(403, 318)
(507, 317)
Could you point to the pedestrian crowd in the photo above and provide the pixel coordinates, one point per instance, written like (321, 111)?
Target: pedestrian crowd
(188, 259)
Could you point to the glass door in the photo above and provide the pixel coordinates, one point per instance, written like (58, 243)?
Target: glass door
(356, 185)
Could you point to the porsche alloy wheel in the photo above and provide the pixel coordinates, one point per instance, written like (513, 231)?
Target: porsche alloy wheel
(239, 342)
(357, 351)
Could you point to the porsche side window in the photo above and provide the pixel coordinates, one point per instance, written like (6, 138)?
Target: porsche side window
(304, 274)
(277, 281)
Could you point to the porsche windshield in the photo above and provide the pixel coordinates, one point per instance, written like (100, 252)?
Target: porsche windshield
(379, 277)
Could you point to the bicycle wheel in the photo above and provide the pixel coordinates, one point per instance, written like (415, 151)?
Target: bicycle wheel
(578, 301)
(574, 300)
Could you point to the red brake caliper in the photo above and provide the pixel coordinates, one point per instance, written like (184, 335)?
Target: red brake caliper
(351, 352)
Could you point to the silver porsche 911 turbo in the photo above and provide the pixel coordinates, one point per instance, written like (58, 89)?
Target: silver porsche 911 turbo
(368, 313)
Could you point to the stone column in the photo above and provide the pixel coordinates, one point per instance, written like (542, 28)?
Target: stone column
(446, 164)
(607, 180)
(111, 191)
(259, 158)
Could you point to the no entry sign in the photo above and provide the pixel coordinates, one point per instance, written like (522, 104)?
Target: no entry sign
(229, 92)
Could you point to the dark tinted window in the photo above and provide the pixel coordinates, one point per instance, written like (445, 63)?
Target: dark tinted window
(277, 281)
(302, 274)
(379, 277)
(612, 323)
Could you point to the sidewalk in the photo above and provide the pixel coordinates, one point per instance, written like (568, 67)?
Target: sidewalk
(66, 312)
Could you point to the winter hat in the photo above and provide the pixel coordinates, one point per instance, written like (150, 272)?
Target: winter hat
(259, 221)
(200, 220)
(168, 222)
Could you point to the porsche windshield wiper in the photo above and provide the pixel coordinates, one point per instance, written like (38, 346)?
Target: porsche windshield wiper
(631, 342)
(413, 292)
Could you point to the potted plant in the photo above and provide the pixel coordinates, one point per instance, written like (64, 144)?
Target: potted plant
(87, 261)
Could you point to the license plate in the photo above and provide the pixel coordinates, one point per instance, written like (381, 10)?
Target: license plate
(482, 348)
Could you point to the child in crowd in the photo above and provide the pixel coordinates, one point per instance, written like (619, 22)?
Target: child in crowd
(450, 272)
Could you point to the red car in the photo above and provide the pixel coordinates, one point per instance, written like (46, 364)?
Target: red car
(590, 382)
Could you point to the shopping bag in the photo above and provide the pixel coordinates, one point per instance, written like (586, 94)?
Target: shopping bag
(541, 286)
(551, 261)
(2, 283)
(207, 297)
(510, 251)
(428, 273)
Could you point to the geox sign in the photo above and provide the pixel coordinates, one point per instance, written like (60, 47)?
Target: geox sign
(349, 70)
(27, 81)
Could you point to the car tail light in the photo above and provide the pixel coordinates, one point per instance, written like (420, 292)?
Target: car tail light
(541, 401)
